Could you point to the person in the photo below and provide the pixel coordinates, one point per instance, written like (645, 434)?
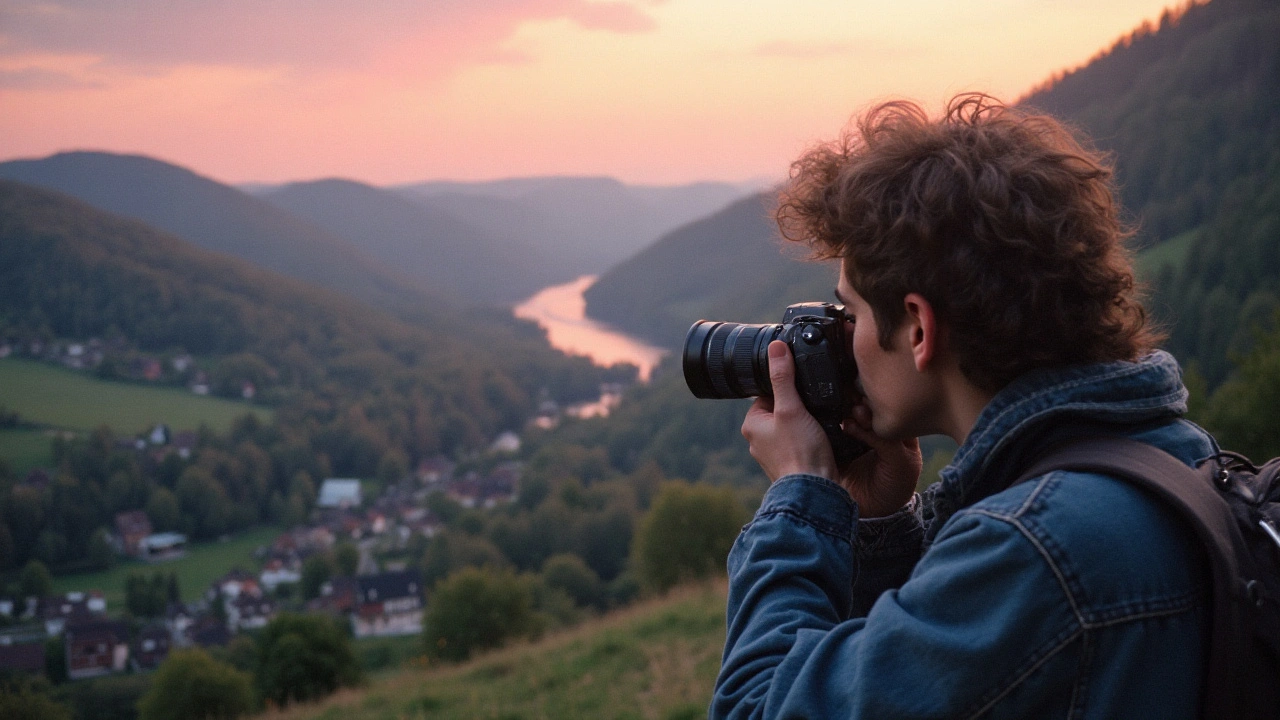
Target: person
(983, 268)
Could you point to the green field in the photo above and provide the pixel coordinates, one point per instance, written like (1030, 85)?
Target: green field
(25, 450)
(1172, 252)
(657, 660)
(202, 564)
(56, 397)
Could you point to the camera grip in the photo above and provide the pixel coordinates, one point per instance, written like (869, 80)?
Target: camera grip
(845, 448)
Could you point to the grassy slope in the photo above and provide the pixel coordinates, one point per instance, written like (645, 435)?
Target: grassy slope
(656, 660)
(202, 564)
(48, 395)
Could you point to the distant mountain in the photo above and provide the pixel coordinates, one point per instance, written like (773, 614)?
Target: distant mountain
(422, 241)
(729, 266)
(223, 219)
(585, 225)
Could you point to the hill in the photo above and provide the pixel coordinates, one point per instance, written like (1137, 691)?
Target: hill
(220, 218)
(729, 266)
(68, 270)
(584, 225)
(655, 660)
(1190, 109)
(422, 241)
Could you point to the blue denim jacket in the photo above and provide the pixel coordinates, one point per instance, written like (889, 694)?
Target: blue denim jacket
(1070, 596)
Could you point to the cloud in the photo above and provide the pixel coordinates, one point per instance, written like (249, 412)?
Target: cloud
(36, 78)
(298, 34)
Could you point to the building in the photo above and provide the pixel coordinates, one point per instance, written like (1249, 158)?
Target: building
(388, 603)
(151, 647)
(96, 648)
(339, 493)
(162, 546)
(58, 611)
(131, 528)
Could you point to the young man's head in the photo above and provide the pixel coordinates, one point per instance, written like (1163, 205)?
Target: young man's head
(1000, 219)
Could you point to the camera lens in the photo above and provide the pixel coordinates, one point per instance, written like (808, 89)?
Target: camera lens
(728, 360)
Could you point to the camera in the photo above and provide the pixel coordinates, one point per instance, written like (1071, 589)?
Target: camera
(731, 360)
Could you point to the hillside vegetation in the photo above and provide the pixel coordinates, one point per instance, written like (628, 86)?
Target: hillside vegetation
(655, 661)
(222, 219)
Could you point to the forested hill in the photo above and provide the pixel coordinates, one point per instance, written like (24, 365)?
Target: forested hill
(729, 266)
(223, 219)
(1191, 109)
(434, 245)
(71, 271)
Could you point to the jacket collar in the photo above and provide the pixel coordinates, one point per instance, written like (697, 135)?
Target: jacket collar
(1046, 407)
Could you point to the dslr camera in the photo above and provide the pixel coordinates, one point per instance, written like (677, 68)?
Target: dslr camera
(731, 360)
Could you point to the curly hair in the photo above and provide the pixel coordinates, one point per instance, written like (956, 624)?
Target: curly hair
(1001, 219)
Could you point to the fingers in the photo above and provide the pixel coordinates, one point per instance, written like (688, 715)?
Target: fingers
(782, 375)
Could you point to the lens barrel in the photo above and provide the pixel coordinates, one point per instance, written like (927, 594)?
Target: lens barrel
(728, 360)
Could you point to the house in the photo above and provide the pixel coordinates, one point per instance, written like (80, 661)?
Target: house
(58, 611)
(131, 528)
(278, 572)
(388, 603)
(337, 597)
(150, 648)
(96, 648)
(163, 546)
(249, 610)
(339, 493)
(434, 469)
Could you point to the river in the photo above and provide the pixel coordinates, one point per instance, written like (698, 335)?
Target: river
(561, 311)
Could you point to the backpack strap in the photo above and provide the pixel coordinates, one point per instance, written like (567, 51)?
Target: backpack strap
(1192, 494)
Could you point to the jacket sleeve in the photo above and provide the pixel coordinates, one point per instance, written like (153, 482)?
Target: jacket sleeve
(976, 614)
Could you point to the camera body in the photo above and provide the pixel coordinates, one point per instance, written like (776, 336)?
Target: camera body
(731, 360)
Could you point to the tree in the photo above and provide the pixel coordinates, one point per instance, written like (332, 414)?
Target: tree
(191, 684)
(346, 558)
(28, 704)
(100, 554)
(476, 609)
(570, 574)
(35, 580)
(316, 571)
(1244, 413)
(687, 534)
(304, 657)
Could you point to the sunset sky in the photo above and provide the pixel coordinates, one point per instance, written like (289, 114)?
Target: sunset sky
(391, 91)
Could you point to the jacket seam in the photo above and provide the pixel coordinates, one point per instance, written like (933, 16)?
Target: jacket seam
(803, 519)
(1044, 554)
(1029, 672)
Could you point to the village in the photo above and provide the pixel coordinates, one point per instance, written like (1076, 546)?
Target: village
(384, 596)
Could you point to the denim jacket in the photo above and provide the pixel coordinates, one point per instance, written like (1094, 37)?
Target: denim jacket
(1072, 595)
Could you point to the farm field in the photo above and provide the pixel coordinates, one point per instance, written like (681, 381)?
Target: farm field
(56, 397)
(202, 564)
(657, 660)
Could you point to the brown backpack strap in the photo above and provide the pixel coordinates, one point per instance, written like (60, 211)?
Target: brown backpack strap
(1192, 493)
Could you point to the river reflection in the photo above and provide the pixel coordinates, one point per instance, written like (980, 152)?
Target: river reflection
(561, 311)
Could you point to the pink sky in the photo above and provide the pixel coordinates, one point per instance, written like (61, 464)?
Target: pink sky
(390, 91)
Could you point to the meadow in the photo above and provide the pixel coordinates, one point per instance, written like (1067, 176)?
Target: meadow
(51, 396)
(656, 660)
(202, 564)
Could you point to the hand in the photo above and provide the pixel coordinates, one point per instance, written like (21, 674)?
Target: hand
(783, 437)
(883, 480)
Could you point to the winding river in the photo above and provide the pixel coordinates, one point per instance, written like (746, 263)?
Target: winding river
(561, 311)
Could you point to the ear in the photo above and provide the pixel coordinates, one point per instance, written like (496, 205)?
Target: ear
(922, 330)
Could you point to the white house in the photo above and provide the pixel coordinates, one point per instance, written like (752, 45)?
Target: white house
(339, 493)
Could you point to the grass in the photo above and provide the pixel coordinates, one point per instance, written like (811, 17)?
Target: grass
(202, 564)
(1172, 252)
(26, 450)
(654, 661)
(57, 397)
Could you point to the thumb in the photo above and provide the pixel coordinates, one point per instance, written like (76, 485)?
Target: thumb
(782, 375)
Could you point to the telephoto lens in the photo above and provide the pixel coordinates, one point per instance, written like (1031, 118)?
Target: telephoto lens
(731, 360)
(728, 360)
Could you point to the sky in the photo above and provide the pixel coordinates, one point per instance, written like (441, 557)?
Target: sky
(397, 91)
